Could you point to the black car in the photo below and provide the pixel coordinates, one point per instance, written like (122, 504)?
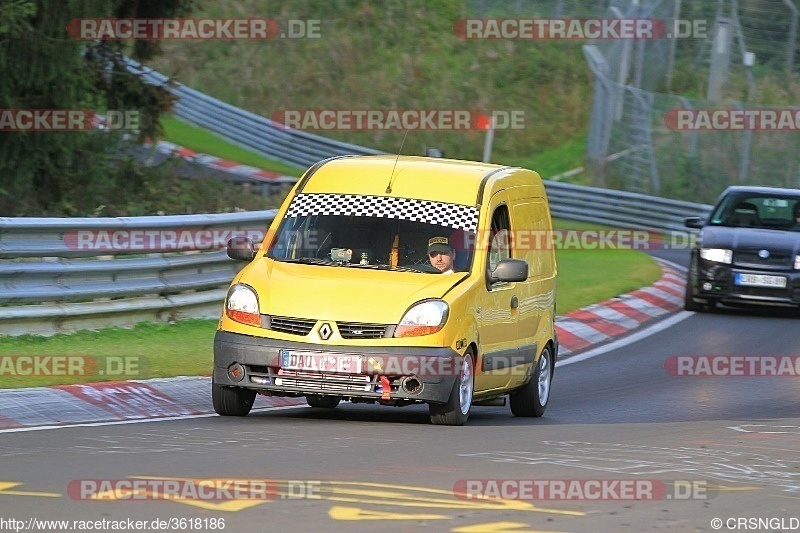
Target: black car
(748, 251)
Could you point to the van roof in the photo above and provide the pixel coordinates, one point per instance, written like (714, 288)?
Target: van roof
(444, 180)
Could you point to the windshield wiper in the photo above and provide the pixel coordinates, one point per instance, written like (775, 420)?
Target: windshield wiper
(307, 260)
(386, 267)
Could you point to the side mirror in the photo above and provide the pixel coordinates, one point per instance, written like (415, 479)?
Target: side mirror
(509, 270)
(693, 222)
(241, 249)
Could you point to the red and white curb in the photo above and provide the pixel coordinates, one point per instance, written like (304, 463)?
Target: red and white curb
(167, 398)
(602, 322)
(114, 402)
(223, 165)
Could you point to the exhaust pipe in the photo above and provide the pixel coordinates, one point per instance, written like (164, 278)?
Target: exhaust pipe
(411, 385)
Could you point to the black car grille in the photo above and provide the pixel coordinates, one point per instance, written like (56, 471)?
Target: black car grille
(293, 326)
(357, 330)
(751, 258)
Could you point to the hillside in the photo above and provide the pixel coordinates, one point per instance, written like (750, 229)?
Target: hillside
(393, 55)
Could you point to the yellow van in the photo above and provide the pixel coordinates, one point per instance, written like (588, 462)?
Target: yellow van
(397, 281)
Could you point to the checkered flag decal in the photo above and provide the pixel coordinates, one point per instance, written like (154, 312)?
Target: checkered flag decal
(454, 216)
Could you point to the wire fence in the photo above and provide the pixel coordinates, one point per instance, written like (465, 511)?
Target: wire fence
(724, 55)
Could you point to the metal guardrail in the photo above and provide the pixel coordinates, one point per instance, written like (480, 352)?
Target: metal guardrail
(51, 281)
(619, 208)
(62, 274)
(251, 131)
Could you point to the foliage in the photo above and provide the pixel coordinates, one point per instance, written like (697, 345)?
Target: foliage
(47, 172)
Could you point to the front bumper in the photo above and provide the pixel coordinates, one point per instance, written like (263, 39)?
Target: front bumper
(386, 374)
(716, 282)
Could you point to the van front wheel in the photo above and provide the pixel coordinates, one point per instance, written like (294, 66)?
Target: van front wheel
(531, 400)
(456, 411)
(232, 401)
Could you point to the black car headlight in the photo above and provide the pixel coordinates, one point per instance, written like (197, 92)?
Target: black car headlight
(717, 255)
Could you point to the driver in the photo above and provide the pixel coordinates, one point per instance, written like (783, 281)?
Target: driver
(441, 254)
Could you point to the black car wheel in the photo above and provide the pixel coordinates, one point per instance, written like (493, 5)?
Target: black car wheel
(688, 300)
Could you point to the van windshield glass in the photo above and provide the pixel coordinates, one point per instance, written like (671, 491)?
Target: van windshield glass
(374, 232)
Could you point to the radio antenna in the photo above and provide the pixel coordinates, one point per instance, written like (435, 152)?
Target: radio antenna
(391, 176)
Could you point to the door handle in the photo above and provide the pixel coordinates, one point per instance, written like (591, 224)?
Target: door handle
(514, 302)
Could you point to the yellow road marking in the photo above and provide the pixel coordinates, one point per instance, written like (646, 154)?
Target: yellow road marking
(515, 527)
(5, 485)
(338, 512)
(723, 487)
(384, 495)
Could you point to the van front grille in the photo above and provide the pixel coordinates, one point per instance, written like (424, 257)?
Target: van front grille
(357, 330)
(293, 326)
(324, 381)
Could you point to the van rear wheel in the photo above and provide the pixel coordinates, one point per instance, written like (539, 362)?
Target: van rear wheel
(232, 401)
(531, 400)
(456, 411)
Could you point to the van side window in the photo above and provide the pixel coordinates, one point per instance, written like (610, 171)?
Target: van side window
(500, 245)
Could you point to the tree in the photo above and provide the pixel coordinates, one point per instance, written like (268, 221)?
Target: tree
(44, 68)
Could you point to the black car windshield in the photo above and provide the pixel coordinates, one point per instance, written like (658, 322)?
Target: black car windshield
(373, 232)
(764, 211)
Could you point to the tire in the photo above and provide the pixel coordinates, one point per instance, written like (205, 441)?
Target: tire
(323, 402)
(456, 411)
(531, 400)
(688, 301)
(232, 401)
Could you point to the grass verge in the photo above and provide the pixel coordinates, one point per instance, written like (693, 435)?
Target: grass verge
(203, 141)
(185, 348)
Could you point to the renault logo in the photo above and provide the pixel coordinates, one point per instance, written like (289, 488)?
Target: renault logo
(763, 254)
(325, 331)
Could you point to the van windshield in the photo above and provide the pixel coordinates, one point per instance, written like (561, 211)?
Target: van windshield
(373, 232)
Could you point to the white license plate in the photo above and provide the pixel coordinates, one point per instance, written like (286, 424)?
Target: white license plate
(760, 280)
(312, 362)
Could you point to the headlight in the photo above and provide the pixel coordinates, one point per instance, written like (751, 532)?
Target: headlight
(242, 305)
(717, 255)
(797, 262)
(423, 318)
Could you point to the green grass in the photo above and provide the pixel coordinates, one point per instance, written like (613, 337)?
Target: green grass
(591, 276)
(553, 161)
(185, 348)
(394, 55)
(158, 350)
(205, 142)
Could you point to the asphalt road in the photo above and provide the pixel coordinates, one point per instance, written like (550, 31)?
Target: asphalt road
(694, 448)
